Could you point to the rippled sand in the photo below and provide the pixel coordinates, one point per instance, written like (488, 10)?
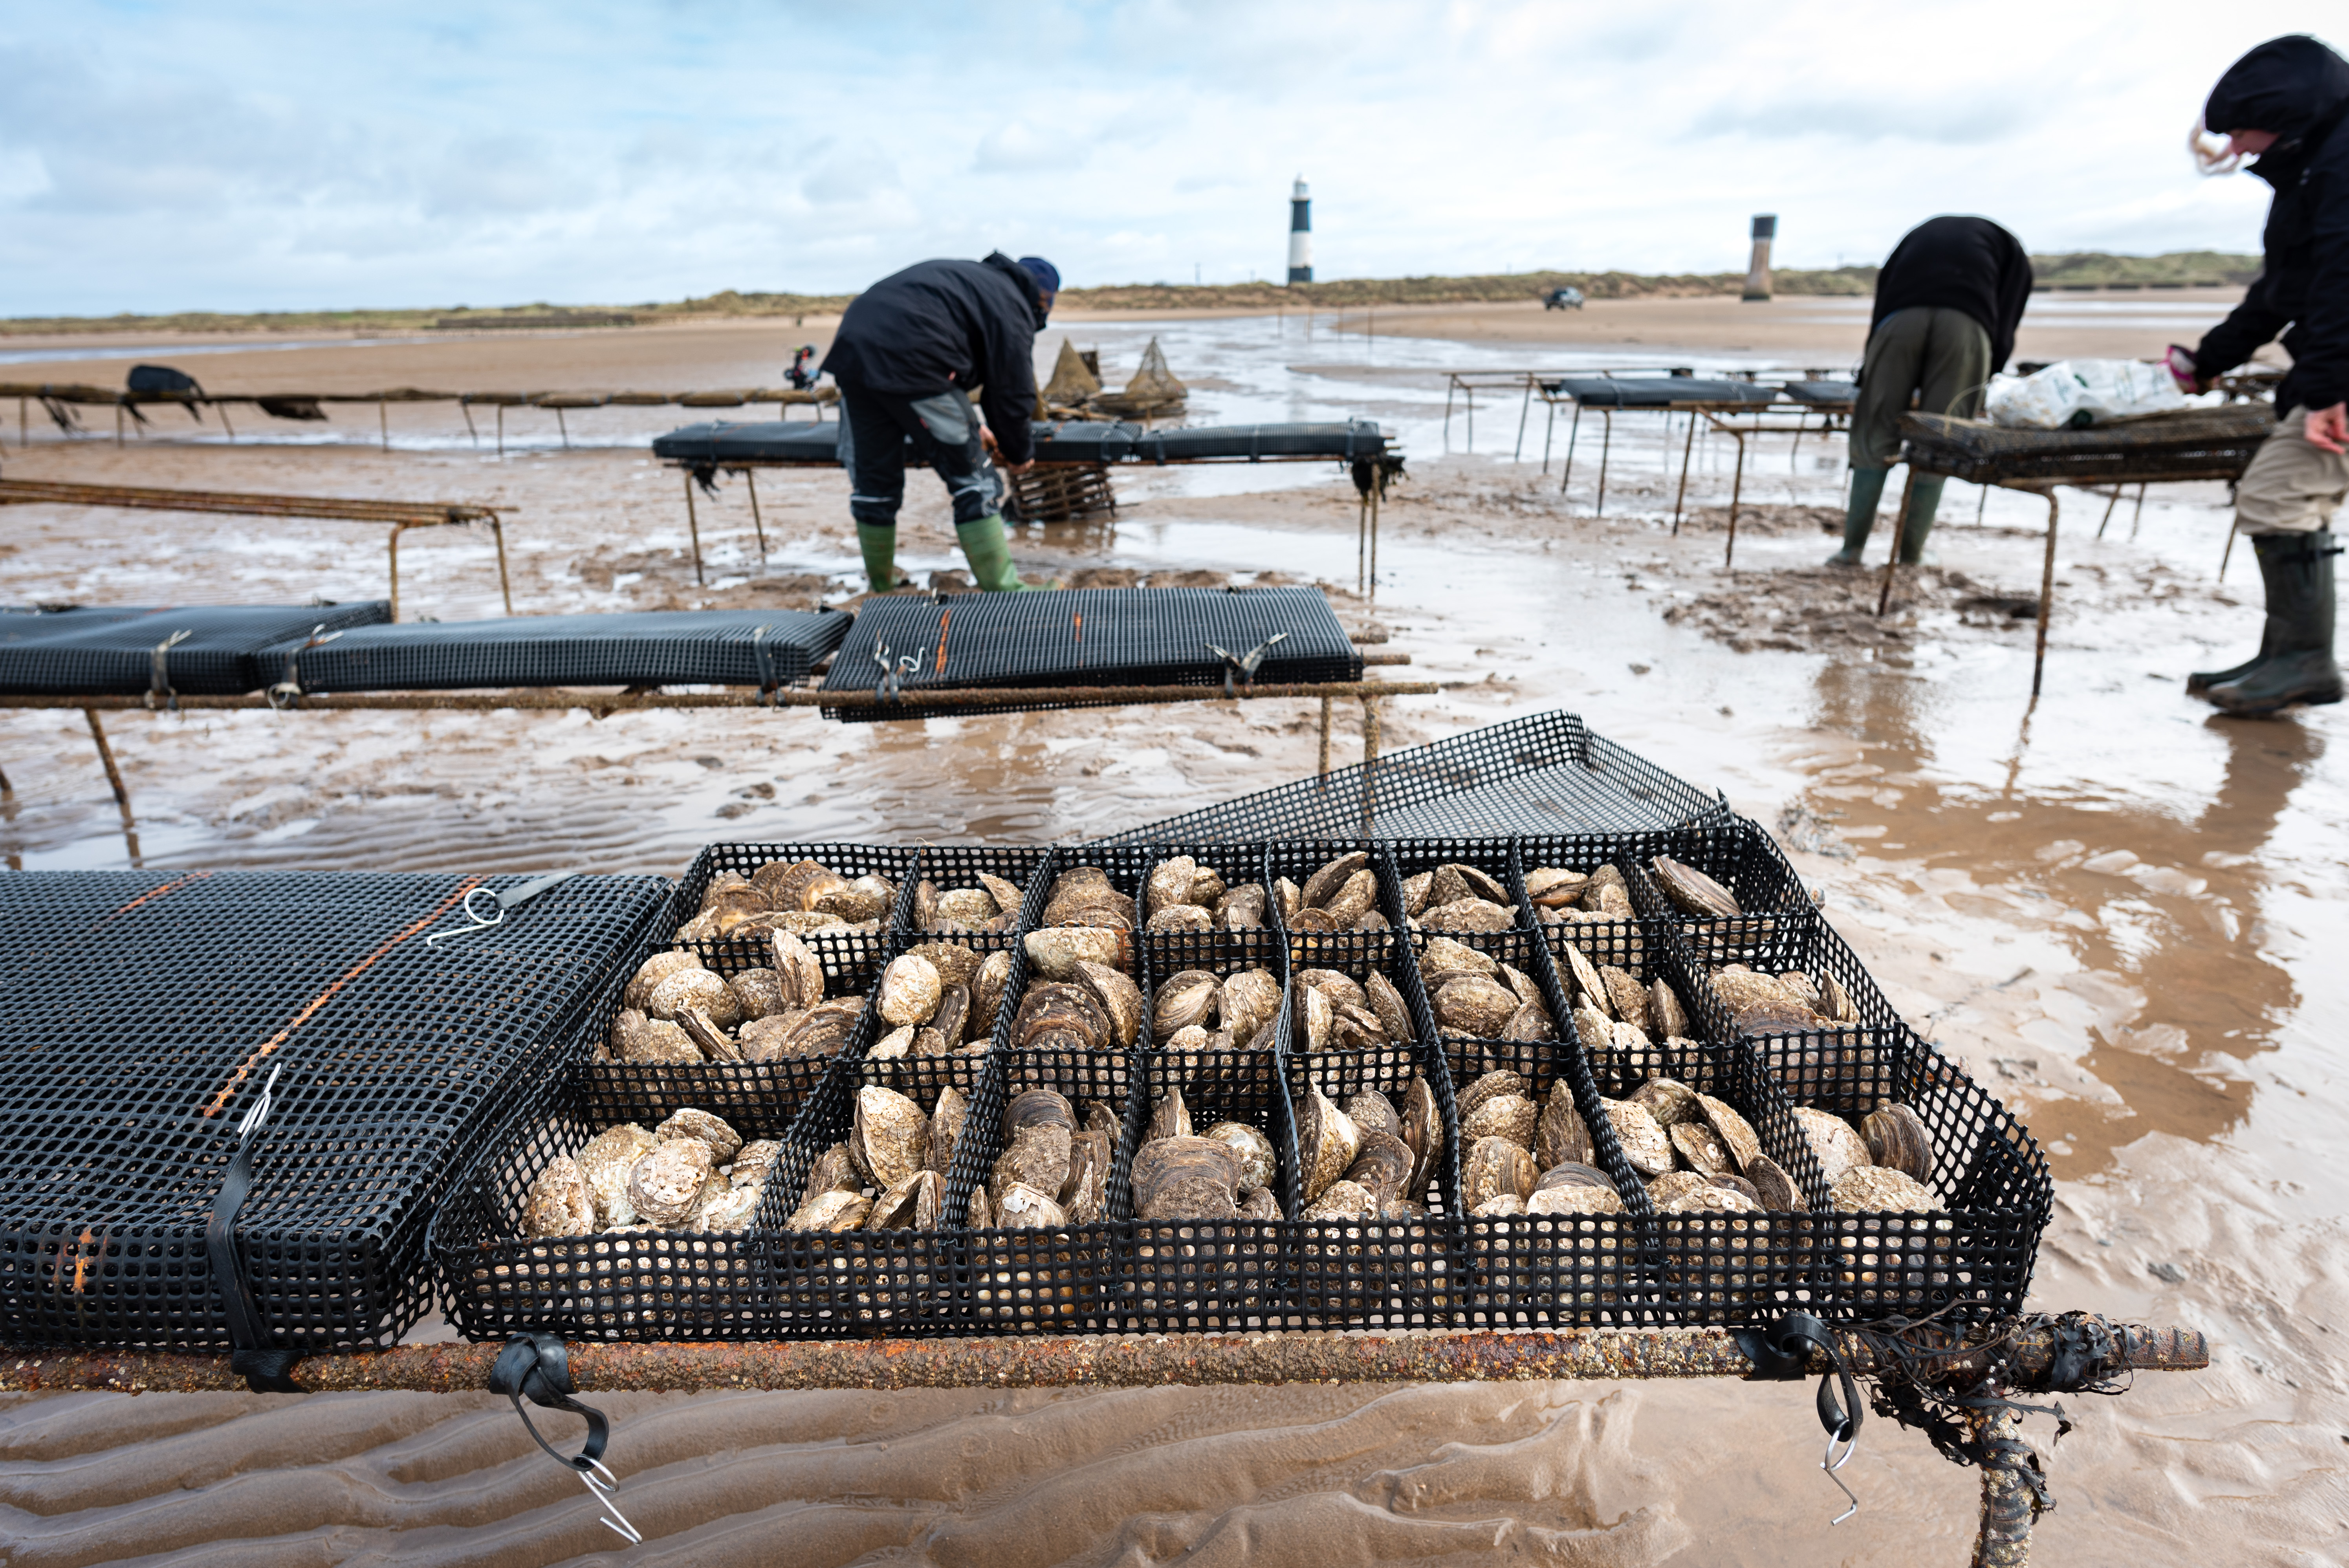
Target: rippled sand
(2121, 912)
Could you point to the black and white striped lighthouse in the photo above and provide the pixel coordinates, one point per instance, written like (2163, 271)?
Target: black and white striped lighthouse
(1300, 234)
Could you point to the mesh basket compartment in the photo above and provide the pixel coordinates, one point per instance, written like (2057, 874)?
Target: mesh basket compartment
(648, 1284)
(900, 1282)
(840, 948)
(948, 868)
(91, 652)
(765, 1095)
(653, 647)
(1068, 1280)
(1082, 637)
(123, 1085)
(1544, 773)
(1974, 1260)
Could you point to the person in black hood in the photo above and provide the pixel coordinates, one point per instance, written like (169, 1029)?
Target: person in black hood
(1947, 301)
(910, 353)
(2286, 104)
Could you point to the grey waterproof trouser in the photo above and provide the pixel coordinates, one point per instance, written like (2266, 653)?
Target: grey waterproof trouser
(1938, 358)
(943, 428)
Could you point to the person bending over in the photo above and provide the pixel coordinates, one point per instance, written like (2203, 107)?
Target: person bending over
(1947, 304)
(909, 354)
(2286, 105)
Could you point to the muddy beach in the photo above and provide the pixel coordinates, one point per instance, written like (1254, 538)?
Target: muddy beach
(2116, 909)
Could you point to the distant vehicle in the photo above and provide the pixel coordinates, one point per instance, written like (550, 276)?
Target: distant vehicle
(1562, 299)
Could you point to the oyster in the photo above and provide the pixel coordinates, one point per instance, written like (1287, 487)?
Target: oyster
(1629, 997)
(760, 993)
(946, 1127)
(1258, 1203)
(1169, 883)
(560, 1203)
(1327, 1141)
(1186, 999)
(1024, 1208)
(1553, 887)
(1422, 1131)
(659, 1040)
(1669, 1100)
(1333, 875)
(1443, 957)
(1352, 900)
(1897, 1139)
(1245, 908)
(1834, 1143)
(1387, 1002)
(1762, 1002)
(894, 1209)
(1530, 1022)
(1180, 917)
(1120, 999)
(1590, 985)
(1773, 1188)
(714, 1043)
(1561, 1137)
(1250, 1002)
(910, 990)
(1868, 1189)
(1693, 891)
(835, 1171)
(723, 1140)
(1059, 1015)
(1250, 1148)
(697, 988)
(1500, 1081)
(889, 1137)
(1342, 1200)
(1008, 895)
(987, 984)
(1503, 1206)
(1468, 914)
(1170, 1118)
(824, 1030)
(753, 1162)
(1086, 1192)
(1495, 1167)
(1710, 1199)
(1474, 1006)
(1374, 1112)
(1191, 1038)
(1835, 1002)
(1381, 1168)
(1036, 1156)
(665, 1186)
(1185, 1178)
(1700, 1147)
(1672, 1184)
(1312, 1021)
(1056, 951)
(952, 1019)
(606, 1162)
(1643, 1143)
(1575, 1200)
(835, 1213)
(1509, 1116)
(1740, 1186)
(651, 973)
(1334, 986)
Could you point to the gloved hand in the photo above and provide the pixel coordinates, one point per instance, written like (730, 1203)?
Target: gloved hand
(2183, 370)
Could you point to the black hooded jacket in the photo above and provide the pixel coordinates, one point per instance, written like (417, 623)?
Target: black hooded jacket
(949, 325)
(1958, 264)
(2298, 89)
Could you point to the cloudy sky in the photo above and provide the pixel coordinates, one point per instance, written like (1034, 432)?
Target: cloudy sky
(246, 154)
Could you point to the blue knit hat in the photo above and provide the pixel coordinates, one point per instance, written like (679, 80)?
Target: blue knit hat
(1047, 276)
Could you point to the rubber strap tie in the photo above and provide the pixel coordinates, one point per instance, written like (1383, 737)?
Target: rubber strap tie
(266, 1369)
(538, 1367)
(289, 693)
(158, 671)
(769, 684)
(1782, 1353)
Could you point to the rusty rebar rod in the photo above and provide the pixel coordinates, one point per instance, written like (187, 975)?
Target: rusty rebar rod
(1196, 1360)
(338, 509)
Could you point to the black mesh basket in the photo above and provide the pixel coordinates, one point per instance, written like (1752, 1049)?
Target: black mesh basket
(949, 867)
(1036, 1280)
(142, 1017)
(1082, 637)
(765, 648)
(897, 1282)
(200, 649)
(842, 950)
(639, 1285)
(1542, 773)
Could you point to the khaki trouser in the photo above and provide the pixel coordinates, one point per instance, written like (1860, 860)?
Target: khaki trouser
(1939, 356)
(2291, 487)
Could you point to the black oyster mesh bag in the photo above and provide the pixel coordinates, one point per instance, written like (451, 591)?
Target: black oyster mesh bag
(1657, 391)
(1083, 638)
(212, 650)
(1544, 773)
(794, 441)
(765, 648)
(142, 1018)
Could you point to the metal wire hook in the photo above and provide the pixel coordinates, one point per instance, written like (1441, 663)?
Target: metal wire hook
(1850, 1447)
(258, 1112)
(603, 1487)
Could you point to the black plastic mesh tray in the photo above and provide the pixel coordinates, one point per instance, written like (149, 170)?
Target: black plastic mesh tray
(683, 647)
(109, 651)
(818, 442)
(140, 1019)
(659, 1285)
(1544, 773)
(1081, 637)
(1658, 391)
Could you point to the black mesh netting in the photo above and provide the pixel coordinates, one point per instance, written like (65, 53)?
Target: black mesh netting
(1087, 637)
(722, 442)
(1826, 392)
(140, 1017)
(1542, 773)
(203, 649)
(685, 647)
(1657, 391)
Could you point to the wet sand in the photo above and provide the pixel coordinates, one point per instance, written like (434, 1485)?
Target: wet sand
(2118, 909)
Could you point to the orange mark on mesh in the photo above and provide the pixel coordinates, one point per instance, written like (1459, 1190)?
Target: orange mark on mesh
(82, 1261)
(165, 890)
(946, 619)
(228, 1091)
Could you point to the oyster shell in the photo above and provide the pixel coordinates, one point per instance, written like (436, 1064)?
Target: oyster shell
(1008, 895)
(1056, 951)
(723, 1140)
(659, 1040)
(824, 1030)
(560, 1203)
(952, 1020)
(1443, 956)
(1711, 1200)
(1250, 1002)
(1381, 1168)
(835, 1171)
(1087, 1191)
(978, 1214)
(1331, 876)
(797, 969)
(1695, 892)
(1500, 1081)
(967, 906)
(1834, 1143)
(1666, 1017)
(1169, 883)
(1740, 1186)
(1250, 1148)
(714, 1043)
(1312, 1020)
(1025, 1208)
(833, 1212)
(910, 990)
(1185, 1177)
(1342, 1200)
(1590, 985)
(947, 1121)
(1387, 1002)
(1035, 1156)
(1421, 1131)
(1184, 999)
(1373, 1112)
(1897, 1139)
(1874, 1188)
(1495, 1167)
(956, 963)
(1561, 1137)
(1504, 1206)
(1700, 1147)
(1629, 996)
(665, 1186)
(894, 1209)
(1039, 1107)
(1672, 1184)
(1736, 1134)
(754, 1162)
(1474, 1006)
(1554, 887)
(1572, 1173)
(1059, 1015)
(1773, 1188)
(892, 1047)
(759, 993)
(1327, 1141)
(1760, 1002)
(725, 1209)
(1180, 917)
(1243, 908)
(889, 1137)
(1353, 899)
(1468, 914)
(1191, 1038)
(651, 973)
(1643, 1143)
(1530, 1022)
(1669, 1100)
(1258, 1203)
(1806, 990)
(986, 988)
(606, 1162)
(1835, 1002)
(697, 989)
(1509, 1116)
(1120, 999)
(1334, 984)
(1575, 1200)
(1170, 1118)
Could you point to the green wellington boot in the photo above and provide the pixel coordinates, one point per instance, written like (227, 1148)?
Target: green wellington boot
(989, 555)
(879, 545)
(1924, 501)
(2302, 667)
(2270, 564)
(1860, 520)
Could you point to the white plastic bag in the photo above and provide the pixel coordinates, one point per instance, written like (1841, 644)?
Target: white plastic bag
(2074, 392)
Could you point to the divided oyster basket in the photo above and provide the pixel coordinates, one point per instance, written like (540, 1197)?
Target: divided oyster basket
(1510, 1082)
